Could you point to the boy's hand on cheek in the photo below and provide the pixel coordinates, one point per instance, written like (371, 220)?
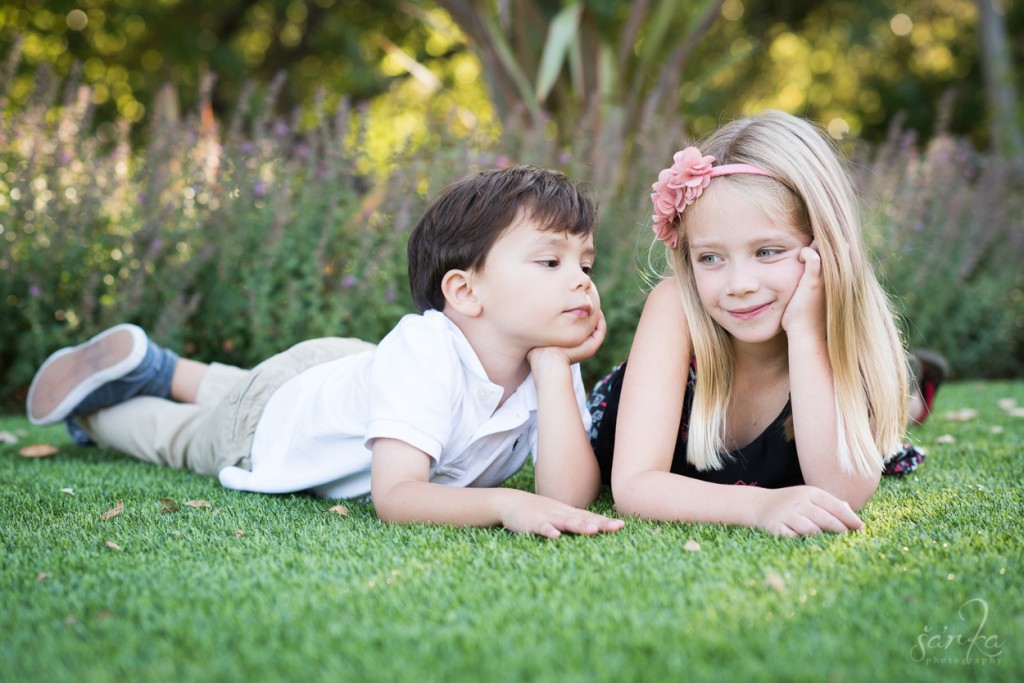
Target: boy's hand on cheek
(576, 354)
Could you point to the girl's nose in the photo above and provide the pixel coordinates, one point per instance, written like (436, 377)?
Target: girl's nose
(742, 281)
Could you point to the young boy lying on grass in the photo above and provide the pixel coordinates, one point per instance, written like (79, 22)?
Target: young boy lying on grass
(447, 406)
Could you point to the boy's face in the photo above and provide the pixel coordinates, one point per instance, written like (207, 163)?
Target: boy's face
(535, 287)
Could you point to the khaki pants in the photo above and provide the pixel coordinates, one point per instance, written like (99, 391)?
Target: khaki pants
(217, 430)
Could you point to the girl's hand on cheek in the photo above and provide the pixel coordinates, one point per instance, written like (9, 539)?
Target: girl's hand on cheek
(806, 309)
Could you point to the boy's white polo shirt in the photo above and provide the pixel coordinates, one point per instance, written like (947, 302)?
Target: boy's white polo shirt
(423, 385)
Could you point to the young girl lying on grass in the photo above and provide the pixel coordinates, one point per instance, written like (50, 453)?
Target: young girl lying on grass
(767, 382)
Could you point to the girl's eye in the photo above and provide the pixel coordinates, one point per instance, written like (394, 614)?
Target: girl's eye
(768, 251)
(549, 263)
(587, 268)
(707, 259)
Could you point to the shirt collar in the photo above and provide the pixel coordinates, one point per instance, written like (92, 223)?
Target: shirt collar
(525, 392)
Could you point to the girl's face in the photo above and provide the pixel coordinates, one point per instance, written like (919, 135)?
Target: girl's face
(745, 264)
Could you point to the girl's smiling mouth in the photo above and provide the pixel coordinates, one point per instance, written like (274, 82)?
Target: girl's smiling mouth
(749, 312)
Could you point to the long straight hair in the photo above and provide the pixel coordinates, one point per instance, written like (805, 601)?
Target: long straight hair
(810, 188)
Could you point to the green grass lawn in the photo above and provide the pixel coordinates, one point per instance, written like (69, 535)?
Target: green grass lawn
(260, 588)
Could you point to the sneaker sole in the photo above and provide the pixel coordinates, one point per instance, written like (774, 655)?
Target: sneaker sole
(71, 374)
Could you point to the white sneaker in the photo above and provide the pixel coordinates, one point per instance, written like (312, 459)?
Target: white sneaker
(69, 375)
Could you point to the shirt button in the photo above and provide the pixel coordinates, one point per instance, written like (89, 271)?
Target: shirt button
(483, 394)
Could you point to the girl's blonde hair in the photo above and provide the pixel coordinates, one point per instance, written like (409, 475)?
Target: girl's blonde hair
(809, 187)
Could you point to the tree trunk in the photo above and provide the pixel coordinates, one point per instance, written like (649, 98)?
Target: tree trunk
(1000, 88)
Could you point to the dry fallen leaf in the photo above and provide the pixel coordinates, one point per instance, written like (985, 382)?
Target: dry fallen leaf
(38, 450)
(1015, 412)
(198, 504)
(962, 415)
(239, 533)
(168, 505)
(7, 437)
(114, 511)
(68, 491)
(1007, 403)
(946, 438)
(113, 546)
(43, 576)
(996, 429)
(775, 582)
(691, 546)
(338, 510)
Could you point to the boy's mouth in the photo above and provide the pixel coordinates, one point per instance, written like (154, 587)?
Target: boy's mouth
(582, 311)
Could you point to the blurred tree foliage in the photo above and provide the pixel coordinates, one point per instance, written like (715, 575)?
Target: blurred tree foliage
(856, 65)
(853, 65)
(127, 49)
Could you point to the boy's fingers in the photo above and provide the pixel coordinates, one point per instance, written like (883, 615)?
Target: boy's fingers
(787, 531)
(578, 525)
(610, 523)
(596, 523)
(586, 523)
(548, 530)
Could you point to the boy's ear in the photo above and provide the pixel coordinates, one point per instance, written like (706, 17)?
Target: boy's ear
(457, 287)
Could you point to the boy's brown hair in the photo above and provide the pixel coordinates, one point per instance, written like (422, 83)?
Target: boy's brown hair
(462, 223)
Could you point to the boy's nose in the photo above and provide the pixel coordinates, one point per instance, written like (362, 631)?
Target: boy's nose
(582, 279)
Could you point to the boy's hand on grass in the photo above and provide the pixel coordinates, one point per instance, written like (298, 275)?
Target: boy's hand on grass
(528, 513)
(804, 511)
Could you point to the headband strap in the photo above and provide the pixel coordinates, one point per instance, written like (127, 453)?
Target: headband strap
(681, 183)
(730, 169)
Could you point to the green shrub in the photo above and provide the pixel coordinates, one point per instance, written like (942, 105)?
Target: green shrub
(946, 223)
(229, 245)
(232, 240)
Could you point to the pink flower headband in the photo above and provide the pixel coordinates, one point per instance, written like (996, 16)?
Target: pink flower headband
(680, 184)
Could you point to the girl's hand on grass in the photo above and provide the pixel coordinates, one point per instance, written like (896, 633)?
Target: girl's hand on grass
(806, 510)
(528, 513)
(806, 309)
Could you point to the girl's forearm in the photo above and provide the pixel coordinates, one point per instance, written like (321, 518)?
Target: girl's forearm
(815, 426)
(666, 496)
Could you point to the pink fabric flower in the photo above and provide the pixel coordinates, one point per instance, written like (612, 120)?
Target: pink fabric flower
(677, 187)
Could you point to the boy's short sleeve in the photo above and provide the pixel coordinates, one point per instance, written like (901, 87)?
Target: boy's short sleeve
(413, 383)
